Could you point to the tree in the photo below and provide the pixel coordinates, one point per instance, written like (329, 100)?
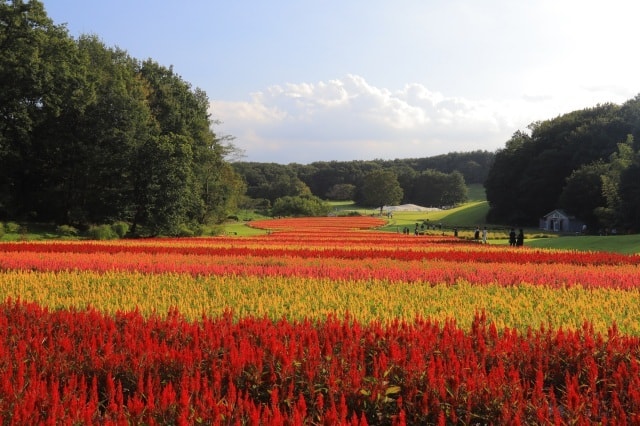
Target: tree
(434, 188)
(630, 197)
(619, 197)
(39, 80)
(341, 192)
(618, 163)
(97, 147)
(582, 193)
(407, 180)
(221, 190)
(380, 188)
(271, 180)
(180, 111)
(501, 184)
(540, 184)
(304, 205)
(163, 192)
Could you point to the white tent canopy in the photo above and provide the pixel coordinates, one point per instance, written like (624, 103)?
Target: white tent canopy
(409, 208)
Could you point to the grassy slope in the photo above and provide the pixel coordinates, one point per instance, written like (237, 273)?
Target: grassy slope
(466, 216)
(242, 230)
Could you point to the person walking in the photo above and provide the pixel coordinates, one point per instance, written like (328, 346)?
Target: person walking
(484, 235)
(520, 238)
(512, 237)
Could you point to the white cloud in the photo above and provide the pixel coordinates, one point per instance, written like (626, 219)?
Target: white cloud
(350, 119)
(439, 75)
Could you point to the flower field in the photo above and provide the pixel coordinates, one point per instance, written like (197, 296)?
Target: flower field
(321, 322)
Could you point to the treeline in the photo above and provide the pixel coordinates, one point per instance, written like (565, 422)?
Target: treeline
(586, 162)
(433, 181)
(90, 135)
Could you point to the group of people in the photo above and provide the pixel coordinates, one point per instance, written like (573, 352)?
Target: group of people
(476, 235)
(515, 240)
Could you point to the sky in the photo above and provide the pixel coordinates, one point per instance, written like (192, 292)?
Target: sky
(298, 81)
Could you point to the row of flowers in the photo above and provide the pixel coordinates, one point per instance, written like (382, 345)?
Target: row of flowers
(434, 271)
(68, 367)
(295, 298)
(382, 248)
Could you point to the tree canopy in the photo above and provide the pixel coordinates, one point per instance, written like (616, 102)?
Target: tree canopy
(90, 135)
(379, 188)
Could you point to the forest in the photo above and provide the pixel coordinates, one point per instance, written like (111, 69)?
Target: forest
(586, 162)
(90, 135)
(431, 181)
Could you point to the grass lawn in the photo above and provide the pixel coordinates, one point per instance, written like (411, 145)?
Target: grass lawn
(241, 229)
(628, 244)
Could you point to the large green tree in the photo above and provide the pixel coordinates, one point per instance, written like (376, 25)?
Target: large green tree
(95, 148)
(379, 188)
(433, 188)
(621, 187)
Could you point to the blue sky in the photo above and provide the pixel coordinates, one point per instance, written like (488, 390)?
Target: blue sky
(303, 81)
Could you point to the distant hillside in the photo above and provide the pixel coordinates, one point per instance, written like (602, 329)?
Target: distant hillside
(473, 165)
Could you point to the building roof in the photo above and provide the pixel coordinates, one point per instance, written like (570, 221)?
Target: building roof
(559, 212)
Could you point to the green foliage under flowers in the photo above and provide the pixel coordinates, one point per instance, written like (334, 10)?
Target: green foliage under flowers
(67, 231)
(120, 228)
(191, 230)
(185, 230)
(108, 232)
(102, 232)
(12, 228)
